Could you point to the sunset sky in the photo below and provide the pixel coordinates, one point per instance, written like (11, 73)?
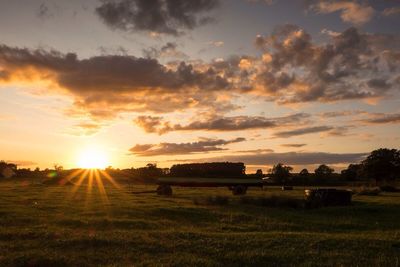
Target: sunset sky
(302, 82)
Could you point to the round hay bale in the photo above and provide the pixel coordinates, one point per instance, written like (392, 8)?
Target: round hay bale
(164, 190)
(328, 197)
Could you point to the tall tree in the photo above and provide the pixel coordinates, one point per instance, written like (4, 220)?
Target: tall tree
(352, 173)
(382, 165)
(281, 173)
(323, 171)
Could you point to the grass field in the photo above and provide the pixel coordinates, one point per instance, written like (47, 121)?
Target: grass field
(54, 226)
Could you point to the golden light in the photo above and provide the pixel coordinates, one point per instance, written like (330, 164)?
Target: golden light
(93, 158)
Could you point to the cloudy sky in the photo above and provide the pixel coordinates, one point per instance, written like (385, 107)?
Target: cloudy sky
(301, 82)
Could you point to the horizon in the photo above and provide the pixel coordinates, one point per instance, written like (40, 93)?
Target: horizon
(261, 82)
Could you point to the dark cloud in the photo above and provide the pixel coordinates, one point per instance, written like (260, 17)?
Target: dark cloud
(293, 145)
(342, 113)
(380, 84)
(205, 145)
(157, 125)
(340, 131)
(303, 131)
(171, 17)
(297, 70)
(261, 150)
(112, 84)
(290, 158)
(381, 118)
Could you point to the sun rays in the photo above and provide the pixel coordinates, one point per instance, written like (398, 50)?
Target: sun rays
(93, 179)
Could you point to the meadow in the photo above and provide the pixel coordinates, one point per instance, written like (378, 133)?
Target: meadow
(52, 225)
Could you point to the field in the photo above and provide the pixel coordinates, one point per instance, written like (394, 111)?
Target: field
(54, 226)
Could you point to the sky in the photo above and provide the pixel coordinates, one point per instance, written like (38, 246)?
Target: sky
(302, 82)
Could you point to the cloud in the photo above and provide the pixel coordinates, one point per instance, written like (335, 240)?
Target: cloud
(380, 84)
(298, 71)
(293, 145)
(168, 50)
(293, 69)
(44, 12)
(107, 85)
(392, 11)
(290, 158)
(211, 45)
(261, 150)
(268, 2)
(342, 113)
(205, 145)
(350, 11)
(216, 43)
(22, 163)
(381, 118)
(236, 123)
(172, 17)
(86, 128)
(303, 131)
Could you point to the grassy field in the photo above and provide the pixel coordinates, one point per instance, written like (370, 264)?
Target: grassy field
(55, 226)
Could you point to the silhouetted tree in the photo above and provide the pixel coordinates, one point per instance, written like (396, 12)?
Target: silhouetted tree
(352, 173)
(213, 169)
(323, 172)
(7, 169)
(281, 173)
(259, 173)
(382, 165)
(304, 173)
(58, 167)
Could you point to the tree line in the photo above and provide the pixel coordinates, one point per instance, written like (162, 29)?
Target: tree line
(381, 166)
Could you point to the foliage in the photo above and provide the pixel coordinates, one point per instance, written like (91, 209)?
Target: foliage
(382, 165)
(323, 172)
(353, 172)
(304, 173)
(213, 169)
(7, 169)
(281, 173)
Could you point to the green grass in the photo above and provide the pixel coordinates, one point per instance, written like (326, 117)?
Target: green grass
(49, 226)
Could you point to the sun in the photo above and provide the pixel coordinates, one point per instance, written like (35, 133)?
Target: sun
(93, 158)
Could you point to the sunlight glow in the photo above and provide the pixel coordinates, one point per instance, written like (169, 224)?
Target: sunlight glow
(93, 158)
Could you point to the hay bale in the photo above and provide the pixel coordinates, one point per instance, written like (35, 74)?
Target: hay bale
(328, 197)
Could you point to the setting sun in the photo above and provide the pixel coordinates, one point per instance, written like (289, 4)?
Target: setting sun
(93, 158)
